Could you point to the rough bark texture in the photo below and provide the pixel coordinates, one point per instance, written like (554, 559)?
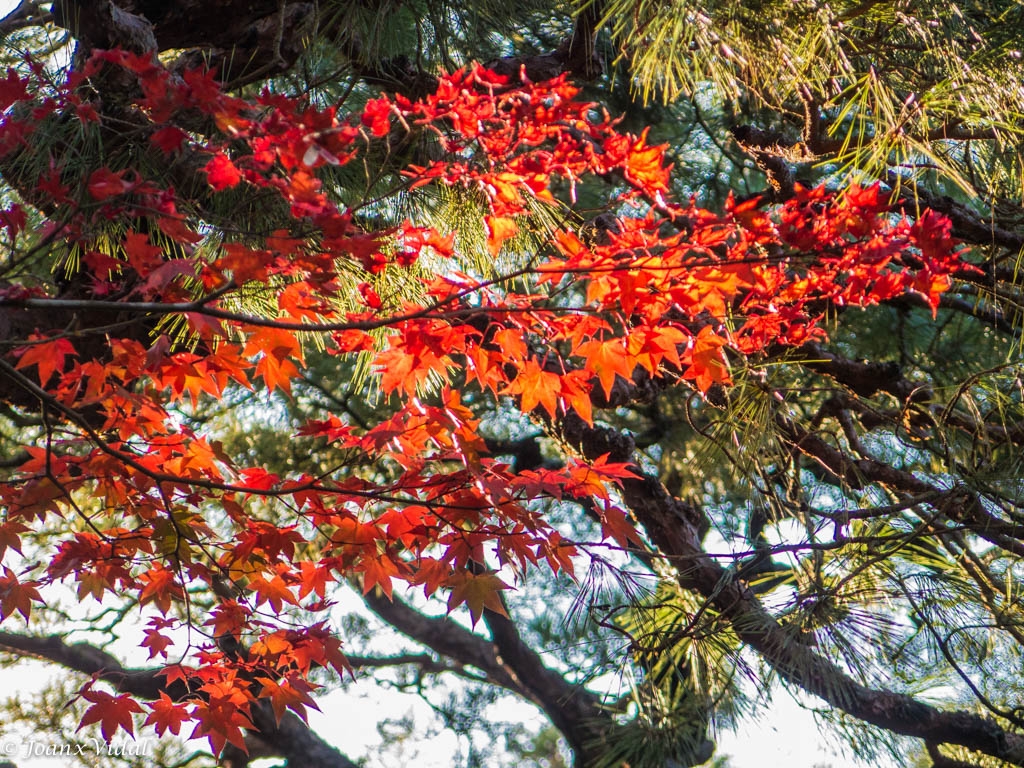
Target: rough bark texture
(242, 41)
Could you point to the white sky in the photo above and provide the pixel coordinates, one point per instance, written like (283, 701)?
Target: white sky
(785, 736)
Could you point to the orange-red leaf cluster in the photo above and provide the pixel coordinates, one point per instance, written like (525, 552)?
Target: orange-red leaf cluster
(673, 294)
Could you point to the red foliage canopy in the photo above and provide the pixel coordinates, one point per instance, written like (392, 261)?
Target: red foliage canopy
(661, 291)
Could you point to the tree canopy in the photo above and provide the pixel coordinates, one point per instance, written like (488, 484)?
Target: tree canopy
(629, 359)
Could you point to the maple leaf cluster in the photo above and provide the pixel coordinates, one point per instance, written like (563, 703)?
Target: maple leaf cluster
(669, 292)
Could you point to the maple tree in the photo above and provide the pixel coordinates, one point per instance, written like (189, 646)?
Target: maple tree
(210, 257)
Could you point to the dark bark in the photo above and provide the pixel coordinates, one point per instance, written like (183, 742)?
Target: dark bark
(241, 40)
(246, 41)
(572, 709)
(510, 662)
(864, 378)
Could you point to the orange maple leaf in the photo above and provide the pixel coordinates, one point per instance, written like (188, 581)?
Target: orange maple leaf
(607, 359)
(536, 387)
(291, 693)
(278, 349)
(499, 229)
(377, 571)
(49, 356)
(166, 715)
(161, 586)
(708, 364)
(477, 591)
(273, 591)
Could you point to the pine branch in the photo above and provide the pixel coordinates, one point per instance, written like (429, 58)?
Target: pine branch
(674, 526)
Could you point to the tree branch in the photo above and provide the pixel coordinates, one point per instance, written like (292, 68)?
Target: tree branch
(241, 40)
(673, 526)
(967, 225)
(290, 738)
(447, 639)
(573, 710)
(864, 378)
(508, 662)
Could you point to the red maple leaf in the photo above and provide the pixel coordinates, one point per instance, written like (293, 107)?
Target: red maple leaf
(161, 587)
(48, 355)
(12, 88)
(17, 595)
(167, 715)
(105, 183)
(221, 173)
(169, 139)
(111, 712)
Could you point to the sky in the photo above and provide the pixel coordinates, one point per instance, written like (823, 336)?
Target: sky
(785, 737)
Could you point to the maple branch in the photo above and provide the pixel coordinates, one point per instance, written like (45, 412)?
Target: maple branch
(202, 306)
(775, 154)
(290, 738)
